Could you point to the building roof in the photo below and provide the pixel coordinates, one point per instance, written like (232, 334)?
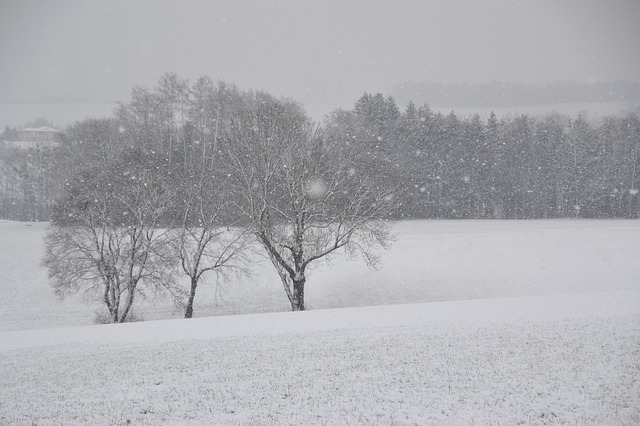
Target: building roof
(43, 129)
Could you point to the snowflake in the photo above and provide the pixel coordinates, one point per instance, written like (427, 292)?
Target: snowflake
(316, 189)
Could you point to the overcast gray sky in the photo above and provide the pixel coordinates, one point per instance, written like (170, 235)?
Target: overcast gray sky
(323, 53)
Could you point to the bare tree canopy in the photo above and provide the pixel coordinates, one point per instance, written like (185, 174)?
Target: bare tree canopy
(107, 239)
(304, 195)
(206, 238)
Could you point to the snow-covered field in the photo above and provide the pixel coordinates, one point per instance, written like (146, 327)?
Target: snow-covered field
(430, 261)
(533, 322)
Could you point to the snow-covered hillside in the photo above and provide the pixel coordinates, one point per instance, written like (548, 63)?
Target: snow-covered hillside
(532, 323)
(542, 360)
(430, 261)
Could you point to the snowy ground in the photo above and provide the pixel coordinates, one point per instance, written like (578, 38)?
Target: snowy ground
(572, 360)
(550, 335)
(430, 261)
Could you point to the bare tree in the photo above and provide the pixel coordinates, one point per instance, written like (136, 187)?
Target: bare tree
(303, 196)
(209, 109)
(205, 240)
(106, 239)
(172, 93)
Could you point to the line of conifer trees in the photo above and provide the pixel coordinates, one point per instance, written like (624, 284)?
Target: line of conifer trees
(446, 166)
(520, 167)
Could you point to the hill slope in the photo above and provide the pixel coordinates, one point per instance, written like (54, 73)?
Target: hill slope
(534, 360)
(430, 261)
(562, 348)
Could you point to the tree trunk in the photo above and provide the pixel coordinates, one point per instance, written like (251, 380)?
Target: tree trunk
(297, 301)
(128, 305)
(188, 312)
(113, 303)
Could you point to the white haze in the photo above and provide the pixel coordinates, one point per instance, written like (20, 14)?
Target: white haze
(324, 54)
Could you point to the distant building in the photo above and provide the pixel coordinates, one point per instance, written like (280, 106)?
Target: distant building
(35, 137)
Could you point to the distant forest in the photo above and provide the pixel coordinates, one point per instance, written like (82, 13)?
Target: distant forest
(513, 168)
(499, 94)
(440, 166)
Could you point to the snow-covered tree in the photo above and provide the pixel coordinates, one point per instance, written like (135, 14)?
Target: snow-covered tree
(303, 195)
(206, 239)
(107, 240)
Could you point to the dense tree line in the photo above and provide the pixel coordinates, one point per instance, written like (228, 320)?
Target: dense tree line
(27, 190)
(27, 181)
(446, 166)
(186, 180)
(514, 168)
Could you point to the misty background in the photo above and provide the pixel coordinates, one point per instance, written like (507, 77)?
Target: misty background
(66, 60)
